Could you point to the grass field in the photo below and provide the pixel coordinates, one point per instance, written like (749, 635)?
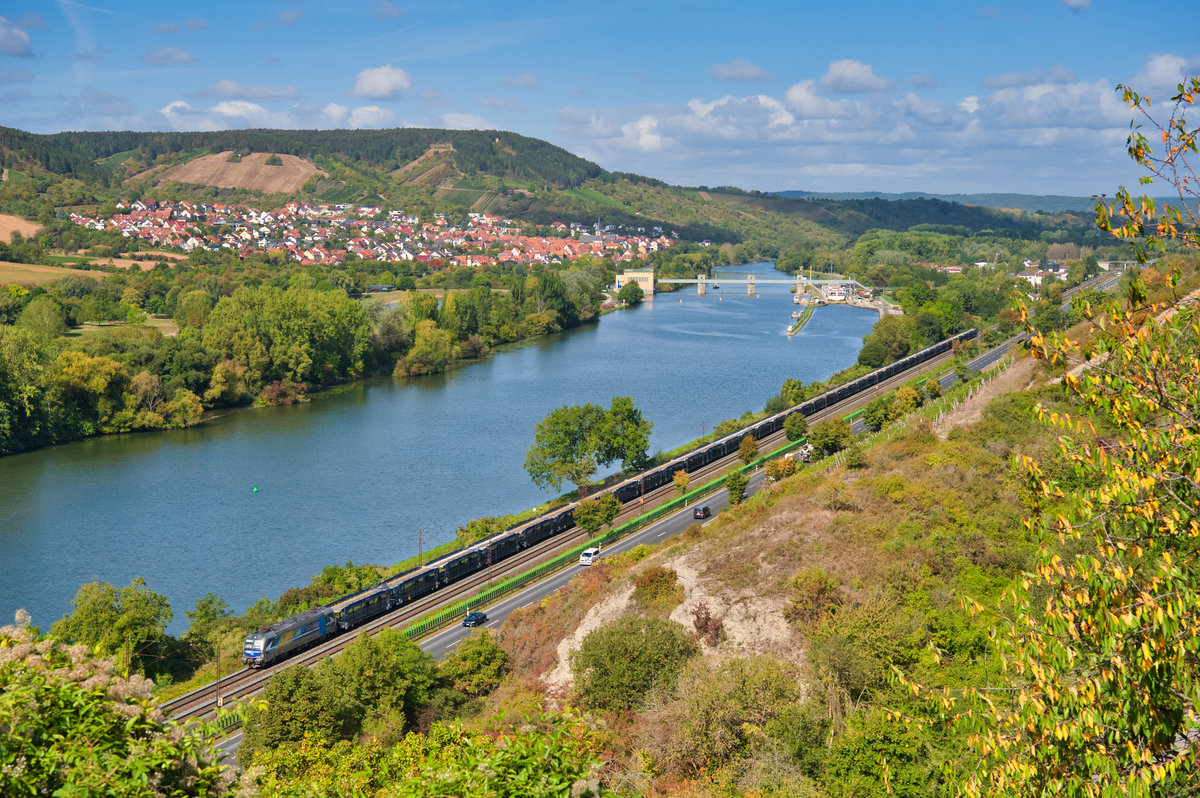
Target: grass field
(29, 274)
(595, 196)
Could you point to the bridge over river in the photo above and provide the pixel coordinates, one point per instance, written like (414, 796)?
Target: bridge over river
(701, 282)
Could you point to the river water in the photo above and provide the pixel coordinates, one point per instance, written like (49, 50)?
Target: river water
(353, 474)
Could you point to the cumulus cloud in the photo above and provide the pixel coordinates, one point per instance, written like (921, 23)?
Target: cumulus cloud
(1162, 73)
(804, 100)
(466, 122)
(970, 103)
(382, 83)
(16, 76)
(521, 80)
(738, 69)
(234, 114)
(1077, 5)
(849, 75)
(14, 40)
(386, 9)
(158, 56)
(644, 135)
(588, 123)
(1055, 74)
(233, 90)
(502, 103)
(370, 116)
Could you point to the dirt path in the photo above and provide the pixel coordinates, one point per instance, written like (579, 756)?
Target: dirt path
(1017, 377)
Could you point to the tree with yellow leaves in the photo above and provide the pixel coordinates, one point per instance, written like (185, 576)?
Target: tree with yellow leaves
(1101, 646)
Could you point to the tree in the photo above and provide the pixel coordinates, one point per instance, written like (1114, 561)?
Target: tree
(830, 436)
(879, 412)
(566, 447)
(296, 703)
(45, 316)
(681, 478)
(477, 666)
(795, 427)
(748, 449)
(23, 359)
(631, 293)
(1102, 641)
(130, 623)
(573, 441)
(736, 482)
(619, 663)
(592, 514)
(73, 727)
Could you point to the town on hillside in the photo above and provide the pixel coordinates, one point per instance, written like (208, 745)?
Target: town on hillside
(327, 235)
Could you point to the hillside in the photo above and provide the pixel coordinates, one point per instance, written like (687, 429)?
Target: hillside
(493, 171)
(250, 171)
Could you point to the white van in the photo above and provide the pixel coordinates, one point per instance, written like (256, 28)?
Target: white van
(589, 556)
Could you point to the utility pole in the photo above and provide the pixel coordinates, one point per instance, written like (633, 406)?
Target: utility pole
(419, 542)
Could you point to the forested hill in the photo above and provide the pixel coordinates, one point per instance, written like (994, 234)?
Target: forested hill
(424, 170)
(474, 151)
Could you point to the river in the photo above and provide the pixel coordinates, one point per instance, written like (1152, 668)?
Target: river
(353, 474)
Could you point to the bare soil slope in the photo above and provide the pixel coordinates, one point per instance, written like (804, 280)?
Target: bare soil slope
(15, 224)
(433, 168)
(250, 172)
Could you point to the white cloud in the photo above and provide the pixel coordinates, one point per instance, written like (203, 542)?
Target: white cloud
(1055, 74)
(586, 123)
(158, 56)
(849, 75)
(501, 103)
(14, 40)
(1162, 73)
(970, 103)
(233, 114)
(644, 135)
(736, 118)
(371, 116)
(804, 100)
(1074, 105)
(738, 69)
(521, 80)
(382, 83)
(231, 89)
(466, 122)
(1077, 5)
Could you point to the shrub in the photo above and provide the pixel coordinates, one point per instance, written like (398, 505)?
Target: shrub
(709, 628)
(657, 587)
(620, 663)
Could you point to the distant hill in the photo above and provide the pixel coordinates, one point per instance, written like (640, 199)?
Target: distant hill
(1030, 203)
(487, 171)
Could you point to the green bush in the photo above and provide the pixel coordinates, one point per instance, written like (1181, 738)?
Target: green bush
(620, 663)
(657, 587)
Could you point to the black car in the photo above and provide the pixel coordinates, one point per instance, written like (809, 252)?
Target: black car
(701, 512)
(475, 619)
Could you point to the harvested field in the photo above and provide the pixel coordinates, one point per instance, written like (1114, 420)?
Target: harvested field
(30, 274)
(250, 172)
(15, 224)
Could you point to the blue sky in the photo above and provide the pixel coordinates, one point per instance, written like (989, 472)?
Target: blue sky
(930, 95)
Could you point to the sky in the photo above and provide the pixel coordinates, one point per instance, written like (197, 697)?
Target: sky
(943, 96)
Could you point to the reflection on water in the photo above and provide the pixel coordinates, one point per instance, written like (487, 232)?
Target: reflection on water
(353, 474)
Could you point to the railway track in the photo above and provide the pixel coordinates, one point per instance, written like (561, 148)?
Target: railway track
(205, 702)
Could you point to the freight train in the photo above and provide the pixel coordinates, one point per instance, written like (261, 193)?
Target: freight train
(285, 637)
